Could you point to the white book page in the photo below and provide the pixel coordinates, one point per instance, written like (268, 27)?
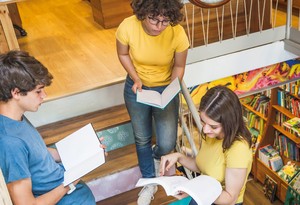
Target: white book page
(170, 91)
(149, 97)
(82, 169)
(203, 189)
(169, 183)
(80, 147)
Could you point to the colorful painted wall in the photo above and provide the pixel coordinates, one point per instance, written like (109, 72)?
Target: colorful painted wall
(252, 80)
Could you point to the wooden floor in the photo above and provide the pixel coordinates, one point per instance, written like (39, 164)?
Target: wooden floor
(64, 37)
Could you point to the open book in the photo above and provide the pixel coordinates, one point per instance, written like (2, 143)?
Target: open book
(155, 99)
(80, 153)
(203, 189)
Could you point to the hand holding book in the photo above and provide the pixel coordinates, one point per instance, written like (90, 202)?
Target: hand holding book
(80, 153)
(203, 189)
(155, 99)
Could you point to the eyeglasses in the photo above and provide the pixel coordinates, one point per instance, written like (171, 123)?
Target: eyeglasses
(155, 21)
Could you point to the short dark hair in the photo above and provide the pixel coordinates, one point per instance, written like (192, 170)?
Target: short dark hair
(20, 70)
(223, 106)
(168, 8)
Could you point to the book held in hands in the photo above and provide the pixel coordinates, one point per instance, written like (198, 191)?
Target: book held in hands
(203, 189)
(80, 153)
(155, 99)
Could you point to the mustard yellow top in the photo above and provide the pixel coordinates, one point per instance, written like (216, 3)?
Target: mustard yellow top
(152, 56)
(212, 161)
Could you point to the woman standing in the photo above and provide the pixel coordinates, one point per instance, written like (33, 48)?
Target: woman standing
(152, 47)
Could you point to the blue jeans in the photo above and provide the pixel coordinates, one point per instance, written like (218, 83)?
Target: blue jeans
(82, 195)
(145, 120)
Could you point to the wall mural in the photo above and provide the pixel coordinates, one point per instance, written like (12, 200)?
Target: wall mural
(252, 80)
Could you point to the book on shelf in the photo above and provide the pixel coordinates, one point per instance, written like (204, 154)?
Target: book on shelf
(292, 87)
(293, 124)
(203, 189)
(261, 102)
(267, 152)
(276, 163)
(287, 147)
(280, 98)
(155, 99)
(270, 188)
(288, 171)
(256, 137)
(80, 153)
(247, 99)
(295, 182)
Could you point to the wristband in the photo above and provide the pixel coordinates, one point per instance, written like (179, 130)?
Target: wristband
(72, 188)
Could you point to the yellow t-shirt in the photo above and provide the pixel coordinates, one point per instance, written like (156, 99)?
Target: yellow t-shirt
(152, 56)
(212, 161)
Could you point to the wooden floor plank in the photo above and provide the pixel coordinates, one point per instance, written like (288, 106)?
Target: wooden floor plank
(117, 160)
(79, 53)
(130, 198)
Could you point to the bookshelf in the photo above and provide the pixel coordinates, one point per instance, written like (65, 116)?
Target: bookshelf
(272, 130)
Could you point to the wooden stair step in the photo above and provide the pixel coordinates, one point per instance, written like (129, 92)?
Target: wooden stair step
(102, 119)
(117, 160)
(130, 198)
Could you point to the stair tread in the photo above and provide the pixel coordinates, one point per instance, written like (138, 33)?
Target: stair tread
(130, 198)
(117, 160)
(101, 120)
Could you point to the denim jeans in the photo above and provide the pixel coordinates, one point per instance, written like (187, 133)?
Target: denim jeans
(82, 195)
(148, 121)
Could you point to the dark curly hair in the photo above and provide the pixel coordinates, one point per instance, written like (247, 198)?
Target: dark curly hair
(168, 8)
(20, 70)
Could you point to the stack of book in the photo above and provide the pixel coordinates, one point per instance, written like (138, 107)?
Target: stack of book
(288, 171)
(270, 157)
(293, 125)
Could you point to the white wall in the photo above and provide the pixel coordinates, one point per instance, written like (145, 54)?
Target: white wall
(76, 105)
(235, 63)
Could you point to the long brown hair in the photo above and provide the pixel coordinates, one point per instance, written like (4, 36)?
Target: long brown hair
(223, 106)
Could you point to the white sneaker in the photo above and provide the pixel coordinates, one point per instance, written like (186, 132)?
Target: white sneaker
(146, 195)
